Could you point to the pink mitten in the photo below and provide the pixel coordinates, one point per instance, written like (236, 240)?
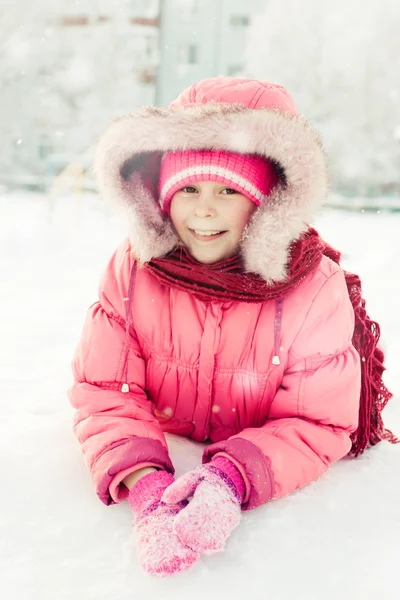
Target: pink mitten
(159, 549)
(214, 511)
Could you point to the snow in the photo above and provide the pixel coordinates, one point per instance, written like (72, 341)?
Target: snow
(338, 538)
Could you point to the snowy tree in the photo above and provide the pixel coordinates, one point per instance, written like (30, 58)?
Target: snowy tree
(340, 60)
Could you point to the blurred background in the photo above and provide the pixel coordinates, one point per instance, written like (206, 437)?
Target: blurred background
(68, 68)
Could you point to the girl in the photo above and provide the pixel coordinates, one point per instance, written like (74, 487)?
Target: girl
(223, 317)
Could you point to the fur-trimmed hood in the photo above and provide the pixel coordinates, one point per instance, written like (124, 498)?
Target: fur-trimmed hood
(238, 115)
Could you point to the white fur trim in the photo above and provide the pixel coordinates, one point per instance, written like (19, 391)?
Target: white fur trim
(243, 183)
(287, 140)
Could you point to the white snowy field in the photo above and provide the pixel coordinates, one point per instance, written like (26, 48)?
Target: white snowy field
(337, 539)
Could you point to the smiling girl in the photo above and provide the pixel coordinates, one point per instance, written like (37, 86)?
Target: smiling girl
(208, 214)
(223, 317)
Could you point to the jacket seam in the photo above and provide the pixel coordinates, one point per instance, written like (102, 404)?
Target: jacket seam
(173, 361)
(291, 351)
(300, 393)
(110, 315)
(220, 371)
(256, 96)
(321, 359)
(104, 385)
(115, 317)
(125, 352)
(278, 430)
(112, 447)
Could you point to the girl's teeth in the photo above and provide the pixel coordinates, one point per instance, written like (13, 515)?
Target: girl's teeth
(206, 232)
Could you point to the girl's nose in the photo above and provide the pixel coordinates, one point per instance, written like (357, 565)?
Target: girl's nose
(205, 205)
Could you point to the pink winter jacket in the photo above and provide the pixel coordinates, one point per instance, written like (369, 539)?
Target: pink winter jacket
(155, 359)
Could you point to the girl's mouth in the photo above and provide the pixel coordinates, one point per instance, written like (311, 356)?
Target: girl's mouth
(206, 236)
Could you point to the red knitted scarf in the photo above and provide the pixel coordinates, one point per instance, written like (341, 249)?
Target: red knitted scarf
(226, 280)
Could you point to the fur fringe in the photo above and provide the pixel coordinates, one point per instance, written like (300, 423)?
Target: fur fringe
(127, 160)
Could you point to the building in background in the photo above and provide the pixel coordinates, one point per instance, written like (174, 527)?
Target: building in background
(68, 72)
(202, 38)
(73, 68)
(111, 68)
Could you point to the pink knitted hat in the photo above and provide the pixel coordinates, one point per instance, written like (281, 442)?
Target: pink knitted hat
(249, 174)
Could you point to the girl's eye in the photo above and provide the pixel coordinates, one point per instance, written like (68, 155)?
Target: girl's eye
(188, 189)
(229, 191)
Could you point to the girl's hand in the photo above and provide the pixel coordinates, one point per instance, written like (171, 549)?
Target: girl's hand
(212, 514)
(159, 549)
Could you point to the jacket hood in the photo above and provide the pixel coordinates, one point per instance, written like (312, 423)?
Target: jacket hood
(237, 115)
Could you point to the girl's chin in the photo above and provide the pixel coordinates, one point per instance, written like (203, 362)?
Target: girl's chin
(209, 258)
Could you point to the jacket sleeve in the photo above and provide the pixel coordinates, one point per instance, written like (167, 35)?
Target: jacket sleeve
(117, 430)
(315, 409)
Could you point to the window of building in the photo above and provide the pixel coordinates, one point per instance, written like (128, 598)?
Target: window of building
(235, 70)
(188, 7)
(150, 47)
(74, 21)
(44, 148)
(187, 54)
(143, 7)
(147, 76)
(240, 20)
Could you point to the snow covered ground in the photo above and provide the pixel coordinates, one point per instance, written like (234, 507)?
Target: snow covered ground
(337, 539)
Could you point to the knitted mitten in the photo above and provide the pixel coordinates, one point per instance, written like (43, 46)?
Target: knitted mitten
(160, 551)
(215, 508)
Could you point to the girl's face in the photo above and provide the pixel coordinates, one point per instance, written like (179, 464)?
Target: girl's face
(210, 219)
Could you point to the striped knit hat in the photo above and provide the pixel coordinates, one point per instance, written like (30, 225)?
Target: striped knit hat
(249, 174)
